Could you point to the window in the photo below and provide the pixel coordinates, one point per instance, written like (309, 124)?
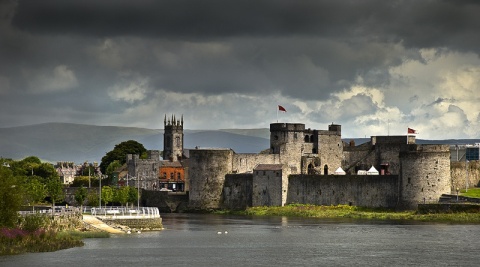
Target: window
(177, 141)
(171, 175)
(178, 176)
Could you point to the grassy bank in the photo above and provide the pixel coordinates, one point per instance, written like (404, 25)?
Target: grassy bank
(472, 192)
(352, 212)
(17, 241)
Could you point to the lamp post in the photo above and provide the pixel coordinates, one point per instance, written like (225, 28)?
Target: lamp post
(100, 191)
(457, 193)
(138, 192)
(466, 177)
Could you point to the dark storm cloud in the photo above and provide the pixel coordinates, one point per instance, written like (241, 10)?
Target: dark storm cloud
(417, 23)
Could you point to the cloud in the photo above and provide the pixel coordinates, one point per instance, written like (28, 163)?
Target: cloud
(4, 85)
(374, 66)
(129, 89)
(61, 78)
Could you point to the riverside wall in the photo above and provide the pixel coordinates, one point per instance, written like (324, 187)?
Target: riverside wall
(357, 190)
(165, 201)
(141, 223)
(237, 191)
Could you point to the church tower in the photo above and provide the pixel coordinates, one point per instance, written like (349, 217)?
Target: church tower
(173, 138)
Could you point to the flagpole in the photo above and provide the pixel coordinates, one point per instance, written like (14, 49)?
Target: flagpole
(277, 113)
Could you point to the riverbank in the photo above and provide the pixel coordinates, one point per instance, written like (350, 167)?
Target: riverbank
(352, 212)
(17, 241)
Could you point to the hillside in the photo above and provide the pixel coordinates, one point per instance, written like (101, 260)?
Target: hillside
(77, 142)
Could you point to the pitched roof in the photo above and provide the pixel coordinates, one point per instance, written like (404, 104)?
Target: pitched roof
(167, 163)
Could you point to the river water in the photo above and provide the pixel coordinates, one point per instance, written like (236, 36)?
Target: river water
(215, 240)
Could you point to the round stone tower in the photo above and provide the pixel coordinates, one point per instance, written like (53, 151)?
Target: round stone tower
(173, 139)
(424, 174)
(207, 170)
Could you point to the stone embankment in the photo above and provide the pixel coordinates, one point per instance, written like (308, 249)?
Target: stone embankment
(100, 225)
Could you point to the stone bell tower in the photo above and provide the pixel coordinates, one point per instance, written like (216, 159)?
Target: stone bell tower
(173, 138)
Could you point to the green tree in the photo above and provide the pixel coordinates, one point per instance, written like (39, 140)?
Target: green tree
(55, 190)
(114, 165)
(92, 199)
(121, 195)
(120, 152)
(45, 170)
(11, 197)
(35, 191)
(83, 181)
(107, 194)
(132, 194)
(31, 159)
(80, 196)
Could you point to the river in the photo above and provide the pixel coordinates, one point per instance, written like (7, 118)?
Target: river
(216, 240)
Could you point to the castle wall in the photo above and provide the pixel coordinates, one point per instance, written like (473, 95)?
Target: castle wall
(145, 171)
(207, 170)
(268, 187)
(361, 159)
(291, 156)
(237, 191)
(245, 163)
(357, 190)
(463, 177)
(330, 151)
(425, 174)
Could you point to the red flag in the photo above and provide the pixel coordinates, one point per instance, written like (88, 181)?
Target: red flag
(412, 131)
(281, 108)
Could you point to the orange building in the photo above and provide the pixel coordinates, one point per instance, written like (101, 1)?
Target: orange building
(172, 175)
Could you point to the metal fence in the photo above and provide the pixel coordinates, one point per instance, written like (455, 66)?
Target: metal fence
(57, 210)
(126, 212)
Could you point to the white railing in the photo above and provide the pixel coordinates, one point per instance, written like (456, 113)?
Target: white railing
(126, 212)
(57, 210)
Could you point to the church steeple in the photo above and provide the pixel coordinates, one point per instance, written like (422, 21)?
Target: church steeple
(173, 138)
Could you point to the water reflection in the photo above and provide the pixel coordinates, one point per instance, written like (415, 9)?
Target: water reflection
(200, 240)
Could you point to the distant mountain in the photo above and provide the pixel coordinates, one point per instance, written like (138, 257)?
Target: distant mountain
(78, 143)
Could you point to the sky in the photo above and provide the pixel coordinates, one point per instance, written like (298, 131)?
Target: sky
(376, 67)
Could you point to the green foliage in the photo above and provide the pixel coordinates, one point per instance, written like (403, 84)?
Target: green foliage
(107, 194)
(45, 170)
(54, 189)
(80, 195)
(31, 159)
(34, 222)
(11, 197)
(92, 199)
(83, 181)
(120, 152)
(132, 194)
(112, 167)
(121, 195)
(358, 213)
(16, 241)
(35, 191)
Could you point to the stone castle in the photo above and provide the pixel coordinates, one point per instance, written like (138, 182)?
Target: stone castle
(306, 166)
